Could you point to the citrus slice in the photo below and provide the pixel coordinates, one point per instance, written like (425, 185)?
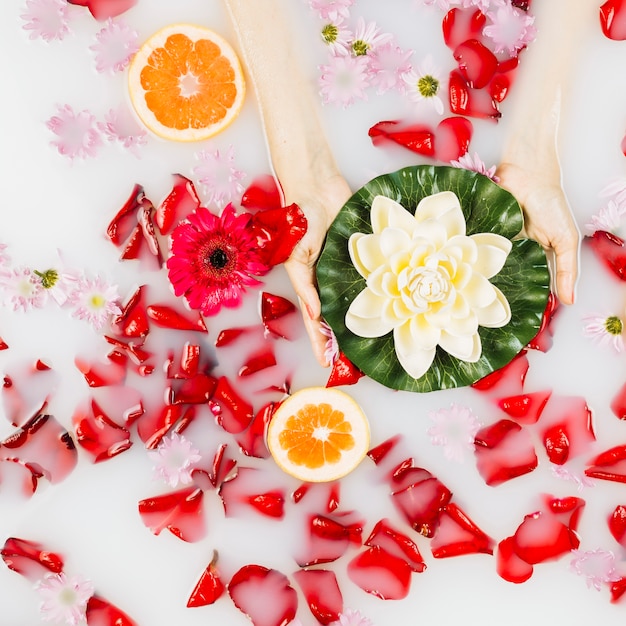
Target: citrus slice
(186, 83)
(318, 434)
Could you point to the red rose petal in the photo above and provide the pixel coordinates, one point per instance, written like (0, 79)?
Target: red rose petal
(382, 574)
(252, 441)
(221, 470)
(506, 381)
(232, 412)
(180, 512)
(499, 87)
(278, 231)
(105, 9)
(613, 19)
(209, 587)
(258, 362)
(197, 389)
(100, 612)
(566, 427)
(133, 320)
(610, 250)
(510, 566)
(453, 138)
(609, 465)
(250, 489)
(459, 25)
(101, 374)
(322, 593)
(343, 372)
(264, 595)
(277, 315)
(568, 510)
(180, 202)
(325, 495)
(230, 335)
(154, 425)
(100, 436)
(147, 227)
(417, 137)
(125, 220)
(617, 524)
(618, 589)
(618, 403)
(166, 316)
(420, 497)
(3, 344)
(504, 451)
(262, 194)
(30, 559)
(470, 102)
(476, 62)
(396, 543)
(525, 408)
(133, 351)
(188, 365)
(457, 534)
(43, 446)
(543, 339)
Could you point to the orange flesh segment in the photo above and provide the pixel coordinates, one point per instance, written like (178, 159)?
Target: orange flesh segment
(200, 64)
(316, 435)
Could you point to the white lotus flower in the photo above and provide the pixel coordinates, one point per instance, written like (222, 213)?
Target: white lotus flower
(427, 281)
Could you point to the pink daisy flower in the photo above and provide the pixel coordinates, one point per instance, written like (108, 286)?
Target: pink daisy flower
(368, 37)
(596, 566)
(387, 67)
(58, 285)
(64, 598)
(332, 9)
(344, 80)
(337, 37)
(174, 460)
(578, 478)
(425, 84)
(615, 190)
(608, 218)
(22, 289)
(475, 164)
(115, 46)
(455, 429)
(77, 136)
(46, 19)
(482, 5)
(331, 349)
(352, 618)
(218, 178)
(510, 29)
(120, 125)
(213, 259)
(95, 301)
(606, 330)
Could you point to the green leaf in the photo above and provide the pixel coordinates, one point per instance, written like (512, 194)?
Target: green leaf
(524, 279)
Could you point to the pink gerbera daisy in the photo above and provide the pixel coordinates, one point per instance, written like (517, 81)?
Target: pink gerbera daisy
(22, 289)
(596, 566)
(475, 164)
(77, 136)
(95, 301)
(120, 125)
(368, 37)
(337, 37)
(218, 178)
(606, 330)
(351, 617)
(332, 9)
(388, 64)
(64, 598)
(510, 28)
(455, 429)
(609, 218)
(46, 19)
(213, 259)
(115, 45)
(174, 460)
(344, 79)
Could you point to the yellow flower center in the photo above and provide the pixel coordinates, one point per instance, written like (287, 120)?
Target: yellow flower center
(428, 86)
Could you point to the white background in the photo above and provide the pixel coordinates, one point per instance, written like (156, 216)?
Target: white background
(91, 518)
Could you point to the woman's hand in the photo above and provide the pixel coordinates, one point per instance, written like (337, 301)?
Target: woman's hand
(548, 220)
(320, 206)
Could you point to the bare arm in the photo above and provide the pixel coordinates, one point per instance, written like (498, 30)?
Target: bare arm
(300, 154)
(530, 167)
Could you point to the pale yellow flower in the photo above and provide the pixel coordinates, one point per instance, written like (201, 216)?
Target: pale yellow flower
(427, 281)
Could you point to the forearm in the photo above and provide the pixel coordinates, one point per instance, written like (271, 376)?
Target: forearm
(547, 69)
(298, 148)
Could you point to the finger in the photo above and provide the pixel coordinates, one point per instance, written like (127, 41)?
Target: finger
(566, 258)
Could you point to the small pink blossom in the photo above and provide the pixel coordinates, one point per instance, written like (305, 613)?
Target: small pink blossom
(388, 64)
(337, 37)
(120, 125)
(475, 164)
(610, 218)
(95, 301)
(606, 330)
(22, 289)
(218, 177)
(64, 598)
(174, 460)
(332, 9)
(344, 80)
(57, 284)
(331, 350)
(579, 479)
(616, 190)
(455, 429)
(510, 29)
(46, 19)
(596, 566)
(115, 46)
(77, 136)
(352, 618)
(5, 259)
(425, 84)
(442, 5)
(368, 37)
(481, 5)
